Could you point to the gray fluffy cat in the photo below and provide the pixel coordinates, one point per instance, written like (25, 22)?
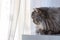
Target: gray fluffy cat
(49, 18)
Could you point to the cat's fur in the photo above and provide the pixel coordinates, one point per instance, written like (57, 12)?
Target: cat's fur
(49, 17)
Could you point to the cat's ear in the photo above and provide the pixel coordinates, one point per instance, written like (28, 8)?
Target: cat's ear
(35, 9)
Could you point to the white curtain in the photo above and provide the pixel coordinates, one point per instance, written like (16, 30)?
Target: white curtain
(21, 19)
(14, 19)
(15, 8)
(24, 20)
(4, 19)
(8, 19)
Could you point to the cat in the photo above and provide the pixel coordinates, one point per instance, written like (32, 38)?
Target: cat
(47, 20)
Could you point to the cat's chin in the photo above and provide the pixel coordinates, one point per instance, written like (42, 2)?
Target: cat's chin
(40, 26)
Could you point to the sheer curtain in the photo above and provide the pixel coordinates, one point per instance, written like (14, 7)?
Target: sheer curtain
(24, 19)
(8, 19)
(14, 19)
(4, 19)
(15, 8)
(20, 11)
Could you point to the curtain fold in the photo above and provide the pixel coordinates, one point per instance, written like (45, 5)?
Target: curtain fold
(15, 5)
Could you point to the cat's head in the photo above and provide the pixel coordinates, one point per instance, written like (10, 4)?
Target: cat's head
(38, 15)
